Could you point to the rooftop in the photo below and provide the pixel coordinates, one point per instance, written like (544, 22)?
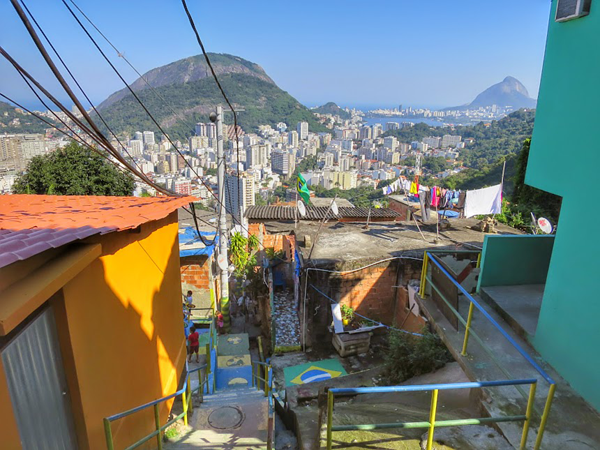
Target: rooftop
(317, 213)
(32, 224)
(341, 242)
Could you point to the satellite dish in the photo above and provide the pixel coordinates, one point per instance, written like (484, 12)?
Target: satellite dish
(301, 208)
(334, 207)
(545, 225)
(222, 262)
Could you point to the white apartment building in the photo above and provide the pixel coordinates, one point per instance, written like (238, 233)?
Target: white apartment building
(302, 129)
(148, 138)
(293, 139)
(239, 195)
(449, 140)
(137, 147)
(433, 142)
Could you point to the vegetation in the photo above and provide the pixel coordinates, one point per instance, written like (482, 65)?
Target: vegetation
(347, 312)
(73, 170)
(491, 141)
(333, 109)
(409, 356)
(362, 196)
(243, 253)
(14, 120)
(262, 102)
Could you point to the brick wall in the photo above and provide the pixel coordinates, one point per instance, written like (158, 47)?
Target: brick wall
(400, 208)
(378, 292)
(196, 277)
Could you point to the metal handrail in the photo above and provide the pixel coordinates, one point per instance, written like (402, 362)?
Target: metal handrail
(155, 402)
(432, 423)
(473, 303)
(186, 393)
(523, 353)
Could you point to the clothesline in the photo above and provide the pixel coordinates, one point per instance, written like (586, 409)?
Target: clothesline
(366, 318)
(473, 202)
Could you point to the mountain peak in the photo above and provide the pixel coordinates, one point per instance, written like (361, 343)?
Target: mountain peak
(509, 92)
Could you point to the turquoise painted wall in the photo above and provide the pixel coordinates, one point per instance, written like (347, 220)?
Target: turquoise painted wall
(565, 160)
(514, 260)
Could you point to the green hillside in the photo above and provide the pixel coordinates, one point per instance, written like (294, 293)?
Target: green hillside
(15, 121)
(192, 92)
(333, 109)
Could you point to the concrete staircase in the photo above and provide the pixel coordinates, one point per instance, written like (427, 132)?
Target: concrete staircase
(231, 419)
(236, 415)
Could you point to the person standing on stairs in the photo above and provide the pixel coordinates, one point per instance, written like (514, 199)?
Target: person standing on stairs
(194, 339)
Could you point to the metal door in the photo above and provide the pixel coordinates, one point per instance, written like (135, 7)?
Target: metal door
(37, 385)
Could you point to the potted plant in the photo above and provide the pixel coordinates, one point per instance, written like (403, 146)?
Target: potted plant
(347, 314)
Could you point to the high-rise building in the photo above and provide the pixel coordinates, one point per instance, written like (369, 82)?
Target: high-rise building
(390, 142)
(392, 126)
(433, 141)
(365, 133)
(257, 155)
(173, 162)
(17, 150)
(345, 163)
(282, 163)
(302, 129)
(239, 194)
(137, 147)
(148, 137)
(206, 129)
(449, 140)
(293, 139)
(377, 131)
(138, 136)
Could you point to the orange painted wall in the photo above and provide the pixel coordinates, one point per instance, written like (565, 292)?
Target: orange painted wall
(9, 433)
(125, 323)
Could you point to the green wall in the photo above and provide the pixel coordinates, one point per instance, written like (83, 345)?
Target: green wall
(565, 160)
(514, 260)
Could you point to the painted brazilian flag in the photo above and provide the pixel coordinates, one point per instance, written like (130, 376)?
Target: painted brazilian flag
(303, 189)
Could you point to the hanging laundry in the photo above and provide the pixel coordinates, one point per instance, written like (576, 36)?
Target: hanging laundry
(435, 200)
(484, 201)
(424, 205)
(414, 188)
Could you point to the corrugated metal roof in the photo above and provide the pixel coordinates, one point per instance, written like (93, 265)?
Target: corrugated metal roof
(31, 224)
(316, 213)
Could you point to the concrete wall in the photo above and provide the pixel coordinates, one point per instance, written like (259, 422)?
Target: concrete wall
(565, 134)
(126, 334)
(514, 260)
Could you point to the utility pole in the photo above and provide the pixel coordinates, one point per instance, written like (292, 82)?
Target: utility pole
(223, 240)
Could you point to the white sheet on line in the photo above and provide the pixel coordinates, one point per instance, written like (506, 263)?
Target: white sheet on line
(484, 201)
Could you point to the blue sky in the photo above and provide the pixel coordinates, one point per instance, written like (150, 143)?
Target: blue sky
(422, 53)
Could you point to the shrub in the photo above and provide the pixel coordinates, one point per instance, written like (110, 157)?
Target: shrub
(409, 355)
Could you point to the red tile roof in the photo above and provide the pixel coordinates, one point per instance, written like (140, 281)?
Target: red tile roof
(31, 224)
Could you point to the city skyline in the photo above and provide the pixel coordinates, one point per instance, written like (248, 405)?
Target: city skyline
(433, 56)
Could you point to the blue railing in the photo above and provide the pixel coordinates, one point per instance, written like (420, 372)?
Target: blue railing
(468, 332)
(186, 398)
(432, 423)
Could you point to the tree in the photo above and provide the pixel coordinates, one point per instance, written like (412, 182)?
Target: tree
(73, 170)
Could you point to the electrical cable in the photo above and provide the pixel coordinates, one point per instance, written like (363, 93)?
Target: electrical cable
(82, 142)
(214, 74)
(145, 108)
(78, 85)
(121, 55)
(101, 142)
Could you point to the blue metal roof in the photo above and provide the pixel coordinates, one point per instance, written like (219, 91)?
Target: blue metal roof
(191, 245)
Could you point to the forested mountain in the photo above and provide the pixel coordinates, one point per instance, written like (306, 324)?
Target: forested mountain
(499, 138)
(14, 120)
(333, 109)
(189, 89)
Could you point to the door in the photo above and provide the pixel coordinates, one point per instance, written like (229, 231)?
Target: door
(38, 388)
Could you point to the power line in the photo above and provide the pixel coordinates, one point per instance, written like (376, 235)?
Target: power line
(78, 85)
(214, 74)
(121, 55)
(145, 108)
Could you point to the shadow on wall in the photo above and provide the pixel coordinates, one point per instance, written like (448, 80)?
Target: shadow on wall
(125, 322)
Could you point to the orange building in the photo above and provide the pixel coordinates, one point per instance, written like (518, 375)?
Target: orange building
(90, 317)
